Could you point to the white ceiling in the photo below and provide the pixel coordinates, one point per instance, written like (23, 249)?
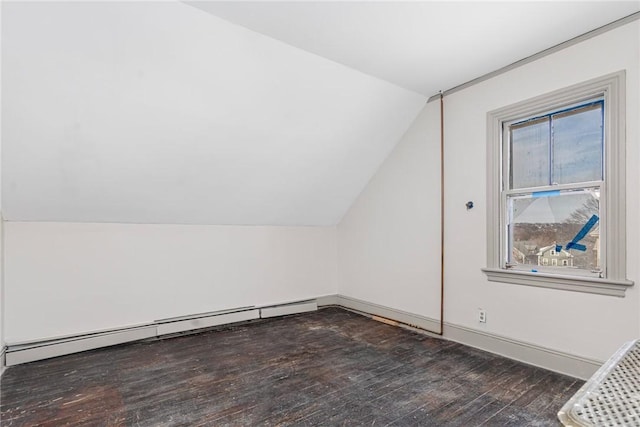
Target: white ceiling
(422, 46)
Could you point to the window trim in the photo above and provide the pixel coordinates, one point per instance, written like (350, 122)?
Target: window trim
(612, 88)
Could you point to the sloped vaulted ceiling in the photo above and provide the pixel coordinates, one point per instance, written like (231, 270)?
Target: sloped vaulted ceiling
(158, 112)
(425, 46)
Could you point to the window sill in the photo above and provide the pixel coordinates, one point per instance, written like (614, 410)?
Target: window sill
(567, 283)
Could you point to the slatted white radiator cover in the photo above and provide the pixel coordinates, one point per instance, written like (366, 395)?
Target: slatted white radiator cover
(611, 397)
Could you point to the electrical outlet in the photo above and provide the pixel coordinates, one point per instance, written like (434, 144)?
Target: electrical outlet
(482, 316)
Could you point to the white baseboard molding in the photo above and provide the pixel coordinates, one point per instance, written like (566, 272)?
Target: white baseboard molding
(553, 360)
(327, 300)
(568, 364)
(414, 320)
(285, 309)
(3, 363)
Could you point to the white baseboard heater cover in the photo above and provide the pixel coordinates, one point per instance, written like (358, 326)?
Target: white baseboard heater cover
(29, 352)
(46, 350)
(285, 309)
(206, 322)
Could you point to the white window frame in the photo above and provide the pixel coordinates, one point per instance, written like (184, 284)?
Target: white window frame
(613, 281)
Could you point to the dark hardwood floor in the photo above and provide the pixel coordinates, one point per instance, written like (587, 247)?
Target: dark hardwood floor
(330, 367)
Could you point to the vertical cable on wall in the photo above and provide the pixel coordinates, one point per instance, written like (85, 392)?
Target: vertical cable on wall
(441, 213)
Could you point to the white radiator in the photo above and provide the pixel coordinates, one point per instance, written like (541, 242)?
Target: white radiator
(611, 397)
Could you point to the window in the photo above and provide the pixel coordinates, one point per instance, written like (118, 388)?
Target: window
(556, 205)
(552, 184)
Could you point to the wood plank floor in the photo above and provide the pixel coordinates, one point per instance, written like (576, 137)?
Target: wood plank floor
(330, 367)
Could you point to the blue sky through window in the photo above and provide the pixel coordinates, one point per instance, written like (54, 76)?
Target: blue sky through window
(559, 148)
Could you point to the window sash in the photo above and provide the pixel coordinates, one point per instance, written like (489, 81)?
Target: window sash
(505, 141)
(507, 191)
(505, 238)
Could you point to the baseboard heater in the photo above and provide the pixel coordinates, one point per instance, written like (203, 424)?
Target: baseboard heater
(291, 308)
(202, 321)
(29, 352)
(37, 350)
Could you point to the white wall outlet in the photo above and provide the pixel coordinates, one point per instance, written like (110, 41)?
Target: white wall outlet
(482, 316)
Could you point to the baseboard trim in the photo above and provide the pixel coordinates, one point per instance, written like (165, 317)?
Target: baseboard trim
(3, 363)
(553, 360)
(409, 319)
(327, 300)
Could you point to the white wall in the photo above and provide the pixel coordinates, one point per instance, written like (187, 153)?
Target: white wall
(64, 278)
(581, 324)
(377, 228)
(389, 241)
(96, 135)
(158, 112)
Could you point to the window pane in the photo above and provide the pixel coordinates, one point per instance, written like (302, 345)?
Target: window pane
(577, 145)
(529, 153)
(555, 228)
